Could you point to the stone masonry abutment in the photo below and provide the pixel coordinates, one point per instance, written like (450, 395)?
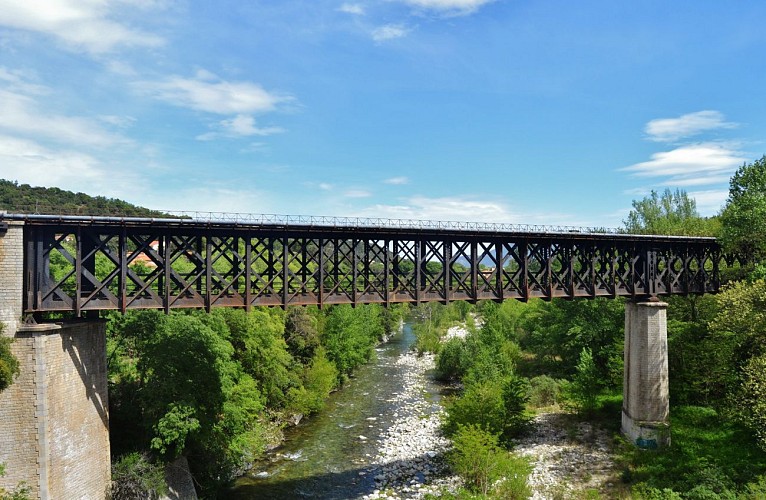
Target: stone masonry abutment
(645, 405)
(55, 423)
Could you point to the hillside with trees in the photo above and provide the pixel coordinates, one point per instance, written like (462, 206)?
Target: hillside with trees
(26, 199)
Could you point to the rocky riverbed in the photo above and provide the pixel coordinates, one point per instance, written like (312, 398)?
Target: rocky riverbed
(410, 461)
(568, 457)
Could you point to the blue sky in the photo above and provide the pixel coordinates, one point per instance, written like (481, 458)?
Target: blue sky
(542, 112)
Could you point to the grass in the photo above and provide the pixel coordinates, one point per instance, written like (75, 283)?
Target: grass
(709, 457)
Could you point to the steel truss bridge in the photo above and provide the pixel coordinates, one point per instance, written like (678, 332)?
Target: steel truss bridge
(78, 264)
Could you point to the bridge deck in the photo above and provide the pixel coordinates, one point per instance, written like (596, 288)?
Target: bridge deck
(98, 263)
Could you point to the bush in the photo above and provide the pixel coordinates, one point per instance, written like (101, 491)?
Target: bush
(495, 406)
(450, 361)
(134, 476)
(752, 400)
(544, 391)
(586, 384)
(9, 365)
(485, 467)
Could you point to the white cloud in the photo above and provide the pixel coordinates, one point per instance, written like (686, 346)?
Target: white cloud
(689, 125)
(357, 193)
(240, 126)
(709, 202)
(694, 164)
(22, 115)
(207, 93)
(352, 8)
(28, 162)
(19, 81)
(87, 25)
(389, 32)
(324, 186)
(444, 209)
(449, 7)
(397, 181)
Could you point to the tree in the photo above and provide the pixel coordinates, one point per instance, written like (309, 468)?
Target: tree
(744, 216)
(9, 365)
(673, 213)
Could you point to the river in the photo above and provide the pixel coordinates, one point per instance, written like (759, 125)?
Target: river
(331, 455)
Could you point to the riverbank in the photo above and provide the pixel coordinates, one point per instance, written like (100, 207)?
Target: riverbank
(570, 458)
(410, 462)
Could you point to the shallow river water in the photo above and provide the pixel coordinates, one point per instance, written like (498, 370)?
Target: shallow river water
(328, 455)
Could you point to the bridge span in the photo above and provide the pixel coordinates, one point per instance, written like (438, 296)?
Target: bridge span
(55, 432)
(79, 264)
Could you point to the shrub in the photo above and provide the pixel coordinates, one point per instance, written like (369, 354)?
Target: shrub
(495, 406)
(484, 466)
(450, 361)
(544, 391)
(134, 476)
(9, 365)
(752, 401)
(586, 384)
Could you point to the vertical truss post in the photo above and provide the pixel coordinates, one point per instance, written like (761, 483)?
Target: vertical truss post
(593, 263)
(396, 270)
(248, 272)
(418, 255)
(208, 271)
(321, 264)
(447, 271)
(166, 252)
(33, 263)
(475, 270)
(650, 272)
(354, 270)
(548, 255)
(78, 272)
(123, 259)
(524, 271)
(386, 274)
(285, 271)
(572, 252)
(499, 286)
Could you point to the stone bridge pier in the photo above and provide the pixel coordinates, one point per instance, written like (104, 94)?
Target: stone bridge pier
(54, 420)
(645, 404)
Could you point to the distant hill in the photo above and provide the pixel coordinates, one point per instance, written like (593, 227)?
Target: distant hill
(23, 198)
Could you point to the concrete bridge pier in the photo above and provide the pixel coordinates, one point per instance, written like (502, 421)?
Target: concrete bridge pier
(54, 434)
(645, 406)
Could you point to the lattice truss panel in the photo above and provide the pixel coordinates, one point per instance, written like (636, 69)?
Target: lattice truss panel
(81, 268)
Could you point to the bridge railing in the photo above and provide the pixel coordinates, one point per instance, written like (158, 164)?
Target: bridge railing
(384, 222)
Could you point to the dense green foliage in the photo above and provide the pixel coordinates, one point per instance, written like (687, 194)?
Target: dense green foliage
(711, 457)
(23, 198)
(135, 476)
(20, 492)
(216, 387)
(673, 213)
(9, 365)
(744, 217)
(486, 467)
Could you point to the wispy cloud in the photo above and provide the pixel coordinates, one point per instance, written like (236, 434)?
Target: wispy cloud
(240, 126)
(449, 7)
(24, 115)
(357, 193)
(397, 181)
(206, 92)
(685, 126)
(389, 32)
(352, 8)
(29, 162)
(695, 164)
(88, 25)
(444, 209)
